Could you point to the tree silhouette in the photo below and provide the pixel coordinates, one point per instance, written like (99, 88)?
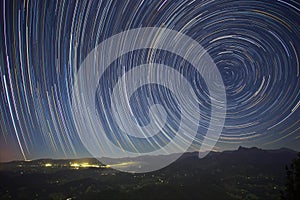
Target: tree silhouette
(292, 186)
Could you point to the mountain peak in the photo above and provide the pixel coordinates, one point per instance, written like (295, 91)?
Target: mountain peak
(241, 148)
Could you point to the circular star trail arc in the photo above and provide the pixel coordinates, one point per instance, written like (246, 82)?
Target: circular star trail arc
(255, 45)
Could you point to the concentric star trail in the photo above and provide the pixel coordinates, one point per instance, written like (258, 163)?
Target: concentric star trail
(254, 44)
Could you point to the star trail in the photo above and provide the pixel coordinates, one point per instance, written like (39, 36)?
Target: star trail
(254, 44)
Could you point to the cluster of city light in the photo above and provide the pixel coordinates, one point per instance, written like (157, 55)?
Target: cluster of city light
(84, 165)
(48, 165)
(87, 165)
(77, 165)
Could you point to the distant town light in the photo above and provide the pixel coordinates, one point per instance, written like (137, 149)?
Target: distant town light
(83, 165)
(48, 165)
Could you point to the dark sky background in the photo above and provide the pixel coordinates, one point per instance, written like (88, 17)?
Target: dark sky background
(255, 45)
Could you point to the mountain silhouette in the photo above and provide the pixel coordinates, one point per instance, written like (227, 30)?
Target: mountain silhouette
(245, 173)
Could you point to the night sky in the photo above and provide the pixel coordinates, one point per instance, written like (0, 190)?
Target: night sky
(254, 44)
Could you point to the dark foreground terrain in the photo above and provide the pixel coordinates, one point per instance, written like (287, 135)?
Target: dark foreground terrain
(247, 173)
